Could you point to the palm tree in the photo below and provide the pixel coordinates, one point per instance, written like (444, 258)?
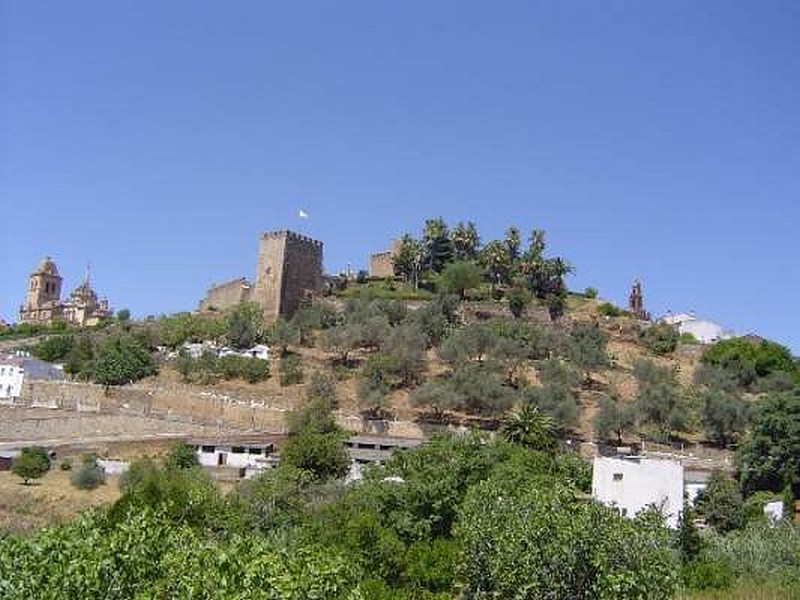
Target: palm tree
(528, 426)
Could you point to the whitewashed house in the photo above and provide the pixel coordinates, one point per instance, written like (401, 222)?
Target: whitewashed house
(249, 458)
(706, 332)
(18, 367)
(11, 376)
(634, 484)
(258, 351)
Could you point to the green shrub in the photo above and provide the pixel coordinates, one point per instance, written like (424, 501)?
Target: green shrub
(89, 475)
(65, 464)
(181, 456)
(32, 463)
(123, 359)
(660, 338)
(54, 348)
(749, 360)
(590, 293)
(761, 553)
(249, 368)
(688, 338)
(609, 310)
(291, 370)
(540, 541)
(518, 300)
(708, 573)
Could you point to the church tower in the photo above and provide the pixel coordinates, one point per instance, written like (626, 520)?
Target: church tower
(44, 285)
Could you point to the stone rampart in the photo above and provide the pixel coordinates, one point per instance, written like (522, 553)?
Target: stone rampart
(226, 295)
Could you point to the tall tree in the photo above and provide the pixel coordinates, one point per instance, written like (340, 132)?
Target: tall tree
(496, 260)
(409, 259)
(512, 242)
(660, 400)
(466, 241)
(614, 417)
(438, 244)
(458, 277)
(724, 415)
(246, 325)
(769, 459)
(587, 348)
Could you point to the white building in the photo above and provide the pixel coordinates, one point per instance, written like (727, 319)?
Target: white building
(695, 482)
(11, 377)
(706, 332)
(634, 484)
(16, 368)
(258, 351)
(248, 458)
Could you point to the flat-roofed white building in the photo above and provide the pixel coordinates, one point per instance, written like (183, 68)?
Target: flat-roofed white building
(19, 367)
(11, 377)
(634, 484)
(706, 332)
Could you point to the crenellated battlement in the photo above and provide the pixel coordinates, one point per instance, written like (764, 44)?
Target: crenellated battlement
(291, 235)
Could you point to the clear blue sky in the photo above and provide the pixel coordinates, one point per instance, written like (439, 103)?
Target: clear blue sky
(157, 139)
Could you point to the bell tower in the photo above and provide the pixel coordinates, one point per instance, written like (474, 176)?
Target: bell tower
(44, 285)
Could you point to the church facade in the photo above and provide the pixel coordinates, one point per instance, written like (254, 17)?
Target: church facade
(43, 304)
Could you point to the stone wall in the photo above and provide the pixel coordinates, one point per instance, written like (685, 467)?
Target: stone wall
(289, 270)
(302, 272)
(381, 264)
(226, 295)
(195, 405)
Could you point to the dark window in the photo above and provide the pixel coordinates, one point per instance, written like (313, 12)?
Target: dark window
(208, 449)
(385, 447)
(617, 476)
(366, 446)
(254, 450)
(238, 449)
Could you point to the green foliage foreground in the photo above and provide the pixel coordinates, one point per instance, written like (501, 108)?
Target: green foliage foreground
(457, 517)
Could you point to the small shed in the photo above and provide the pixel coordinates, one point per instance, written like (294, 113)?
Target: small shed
(6, 458)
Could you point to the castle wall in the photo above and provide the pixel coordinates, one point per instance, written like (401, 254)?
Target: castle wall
(381, 265)
(269, 273)
(226, 295)
(302, 272)
(289, 270)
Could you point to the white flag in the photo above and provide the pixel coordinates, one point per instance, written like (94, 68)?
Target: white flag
(302, 214)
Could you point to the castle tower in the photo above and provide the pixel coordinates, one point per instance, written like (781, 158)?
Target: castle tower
(289, 270)
(636, 301)
(44, 285)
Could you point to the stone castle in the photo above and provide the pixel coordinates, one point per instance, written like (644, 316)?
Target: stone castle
(381, 264)
(289, 272)
(43, 304)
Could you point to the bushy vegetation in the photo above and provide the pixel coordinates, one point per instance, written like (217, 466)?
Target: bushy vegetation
(660, 338)
(209, 368)
(89, 475)
(609, 310)
(455, 514)
(456, 517)
(455, 261)
(769, 458)
(748, 361)
(32, 463)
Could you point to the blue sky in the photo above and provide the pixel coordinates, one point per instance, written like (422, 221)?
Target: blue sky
(157, 139)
